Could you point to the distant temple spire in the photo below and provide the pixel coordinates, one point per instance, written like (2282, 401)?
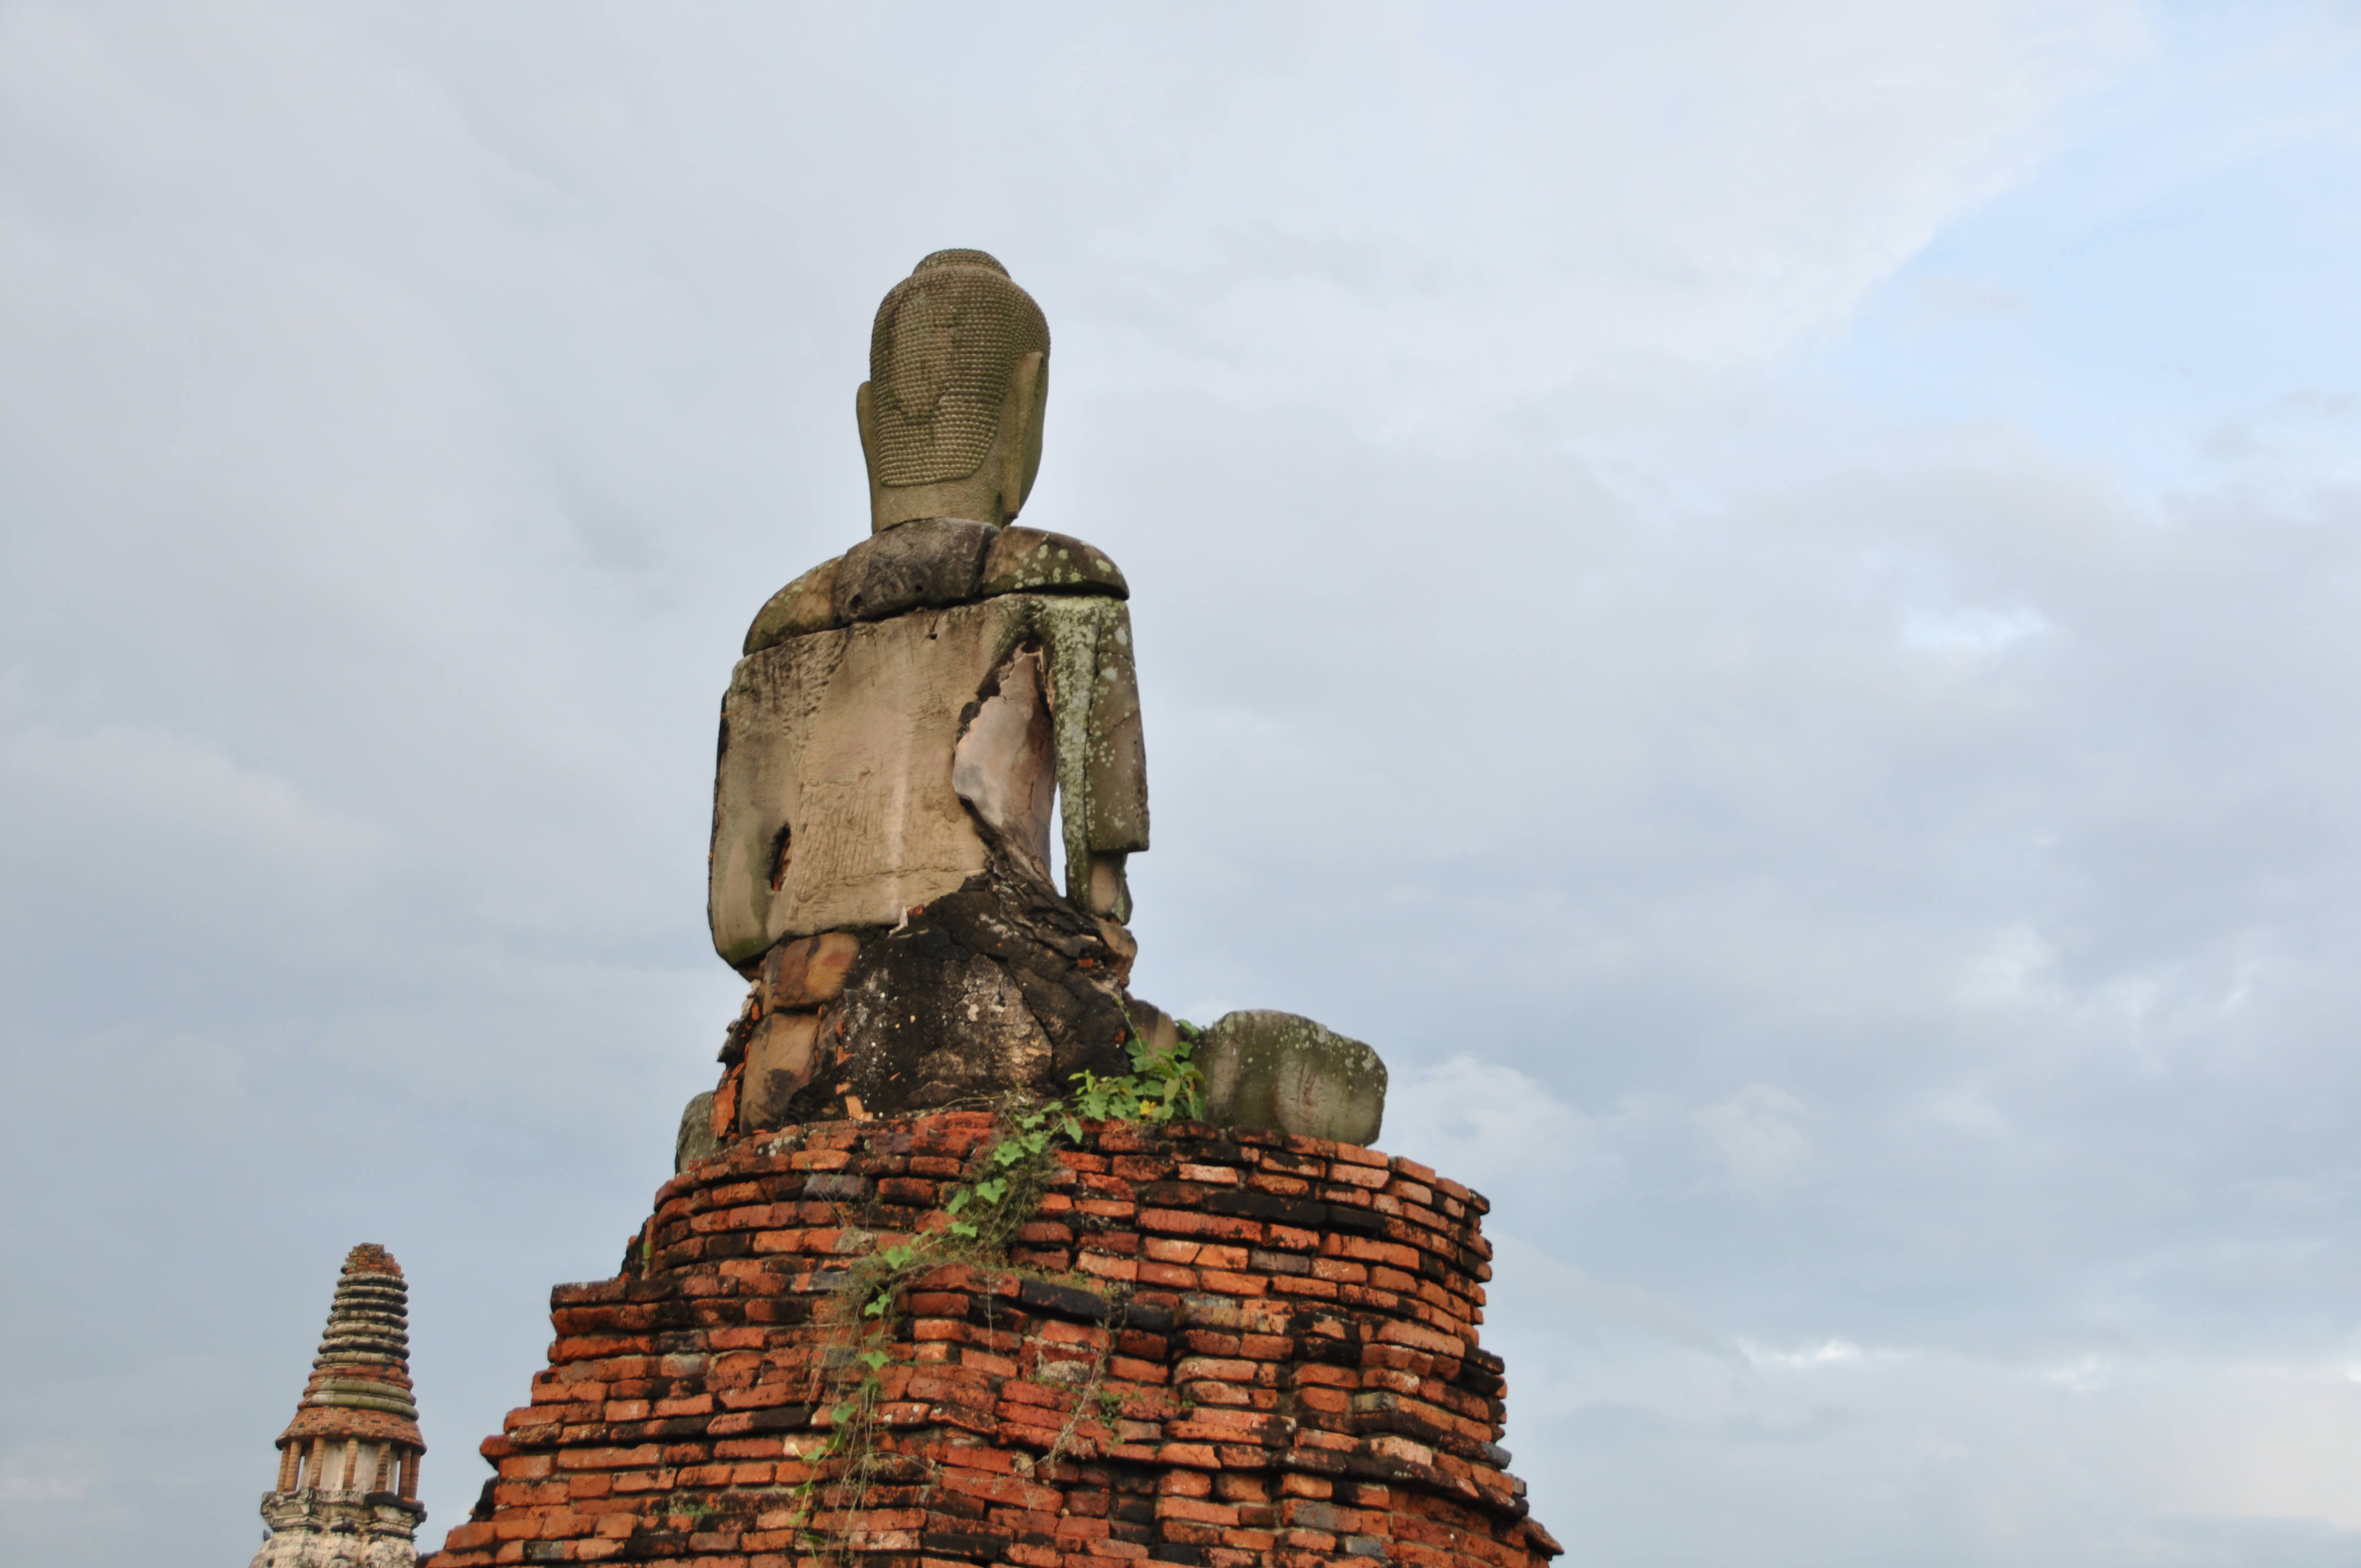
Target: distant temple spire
(347, 1490)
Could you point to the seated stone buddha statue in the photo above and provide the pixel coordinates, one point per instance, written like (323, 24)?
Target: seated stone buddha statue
(908, 726)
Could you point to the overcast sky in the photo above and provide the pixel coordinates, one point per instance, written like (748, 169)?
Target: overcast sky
(1765, 596)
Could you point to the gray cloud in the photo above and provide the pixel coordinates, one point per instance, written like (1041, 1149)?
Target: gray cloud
(1865, 890)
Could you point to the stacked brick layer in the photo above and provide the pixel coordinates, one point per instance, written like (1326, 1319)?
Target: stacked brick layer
(1212, 1347)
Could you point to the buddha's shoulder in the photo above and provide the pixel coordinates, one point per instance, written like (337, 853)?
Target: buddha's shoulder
(1034, 561)
(931, 562)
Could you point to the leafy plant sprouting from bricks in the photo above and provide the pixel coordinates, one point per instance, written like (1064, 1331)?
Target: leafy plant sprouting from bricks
(985, 1214)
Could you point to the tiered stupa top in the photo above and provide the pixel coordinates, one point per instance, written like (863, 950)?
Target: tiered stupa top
(347, 1488)
(361, 1390)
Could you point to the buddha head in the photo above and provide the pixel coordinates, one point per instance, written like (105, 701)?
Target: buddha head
(959, 375)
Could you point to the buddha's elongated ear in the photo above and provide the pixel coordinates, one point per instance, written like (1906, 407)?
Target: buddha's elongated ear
(865, 414)
(1019, 443)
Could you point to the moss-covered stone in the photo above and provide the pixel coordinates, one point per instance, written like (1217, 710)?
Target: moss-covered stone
(803, 606)
(1034, 561)
(1288, 1074)
(695, 1141)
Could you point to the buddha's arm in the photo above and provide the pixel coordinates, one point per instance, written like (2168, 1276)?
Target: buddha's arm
(1101, 764)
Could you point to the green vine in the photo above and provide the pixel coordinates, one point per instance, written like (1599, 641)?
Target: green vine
(986, 1213)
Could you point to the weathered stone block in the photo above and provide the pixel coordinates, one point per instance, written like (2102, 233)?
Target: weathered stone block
(1289, 1074)
(1004, 766)
(803, 607)
(927, 561)
(780, 1055)
(833, 804)
(1034, 561)
(836, 805)
(695, 1141)
(807, 972)
(1000, 985)
(1152, 1025)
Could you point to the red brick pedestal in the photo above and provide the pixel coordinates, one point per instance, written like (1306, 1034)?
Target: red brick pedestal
(1212, 1347)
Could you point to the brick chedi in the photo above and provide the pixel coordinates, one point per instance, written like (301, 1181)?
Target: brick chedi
(1227, 1348)
(348, 1492)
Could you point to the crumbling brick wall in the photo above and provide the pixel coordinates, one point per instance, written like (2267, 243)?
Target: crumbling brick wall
(1212, 1347)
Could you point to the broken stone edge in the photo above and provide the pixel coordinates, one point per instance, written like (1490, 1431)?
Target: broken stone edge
(933, 563)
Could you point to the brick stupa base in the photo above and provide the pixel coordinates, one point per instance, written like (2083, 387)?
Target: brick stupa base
(1214, 1347)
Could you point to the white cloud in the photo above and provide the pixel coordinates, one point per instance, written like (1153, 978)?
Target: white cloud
(177, 797)
(1827, 1352)
(47, 1476)
(1754, 1134)
(1971, 630)
(1552, 1297)
(2006, 973)
(1500, 1125)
